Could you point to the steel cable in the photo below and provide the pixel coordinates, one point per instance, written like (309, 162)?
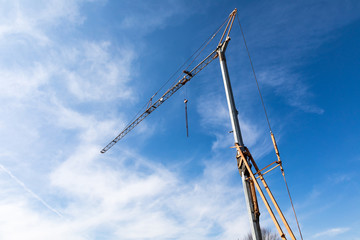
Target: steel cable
(267, 119)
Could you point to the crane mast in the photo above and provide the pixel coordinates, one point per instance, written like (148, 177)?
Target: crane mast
(245, 162)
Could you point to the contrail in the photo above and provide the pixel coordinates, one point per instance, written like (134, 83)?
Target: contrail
(29, 191)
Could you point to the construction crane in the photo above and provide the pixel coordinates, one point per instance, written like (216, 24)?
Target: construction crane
(245, 161)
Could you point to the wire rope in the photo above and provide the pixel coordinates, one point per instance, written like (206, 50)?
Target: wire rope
(267, 119)
(253, 70)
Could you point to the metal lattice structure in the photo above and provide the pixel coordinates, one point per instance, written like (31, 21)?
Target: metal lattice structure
(186, 78)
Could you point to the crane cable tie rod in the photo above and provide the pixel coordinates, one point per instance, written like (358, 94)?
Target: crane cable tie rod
(271, 133)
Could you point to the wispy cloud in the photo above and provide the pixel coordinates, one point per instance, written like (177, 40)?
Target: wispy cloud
(290, 85)
(144, 15)
(331, 232)
(290, 32)
(29, 191)
(92, 72)
(216, 120)
(138, 195)
(22, 19)
(55, 92)
(20, 83)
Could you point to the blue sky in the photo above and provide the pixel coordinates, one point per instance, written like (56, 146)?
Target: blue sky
(73, 73)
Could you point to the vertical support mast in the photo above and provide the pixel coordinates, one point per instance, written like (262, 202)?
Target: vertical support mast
(249, 197)
(248, 179)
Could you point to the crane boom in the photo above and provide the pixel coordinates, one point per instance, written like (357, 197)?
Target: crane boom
(186, 78)
(188, 75)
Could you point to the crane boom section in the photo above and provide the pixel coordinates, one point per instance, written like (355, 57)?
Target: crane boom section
(188, 75)
(213, 55)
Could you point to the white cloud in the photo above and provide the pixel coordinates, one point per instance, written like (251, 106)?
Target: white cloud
(127, 197)
(29, 191)
(97, 73)
(291, 87)
(146, 18)
(20, 222)
(32, 19)
(52, 146)
(22, 82)
(292, 34)
(25, 19)
(331, 232)
(215, 118)
(140, 195)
